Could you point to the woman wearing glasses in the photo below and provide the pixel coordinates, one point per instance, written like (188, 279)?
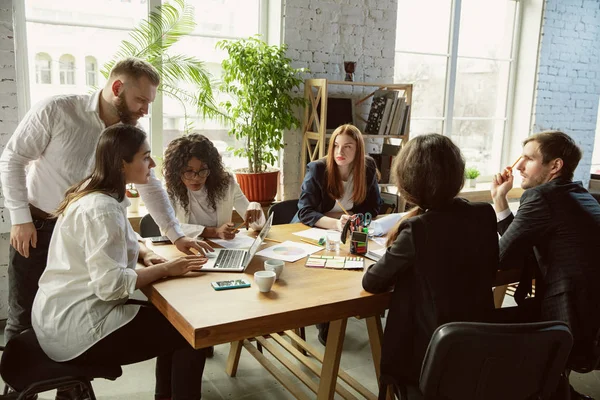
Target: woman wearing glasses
(203, 193)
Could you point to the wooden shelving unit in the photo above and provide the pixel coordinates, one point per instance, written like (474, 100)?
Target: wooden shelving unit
(314, 126)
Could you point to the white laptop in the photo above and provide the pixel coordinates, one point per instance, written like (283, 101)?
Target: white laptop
(236, 260)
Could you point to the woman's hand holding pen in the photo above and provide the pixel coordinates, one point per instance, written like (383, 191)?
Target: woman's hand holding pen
(252, 216)
(227, 231)
(342, 221)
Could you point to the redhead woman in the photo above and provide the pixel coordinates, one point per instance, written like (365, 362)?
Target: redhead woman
(344, 180)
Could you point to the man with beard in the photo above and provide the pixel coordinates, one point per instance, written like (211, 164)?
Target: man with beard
(52, 149)
(558, 222)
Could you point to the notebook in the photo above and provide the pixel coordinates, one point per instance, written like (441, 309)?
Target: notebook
(236, 260)
(335, 262)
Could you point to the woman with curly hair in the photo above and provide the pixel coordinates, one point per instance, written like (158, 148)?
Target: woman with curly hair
(203, 192)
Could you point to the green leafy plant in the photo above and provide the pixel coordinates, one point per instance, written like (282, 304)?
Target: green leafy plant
(261, 81)
(471, 173)
(151, 40)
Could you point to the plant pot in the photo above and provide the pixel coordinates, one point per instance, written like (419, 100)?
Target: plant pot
(472, 183)
(135, 204)
(260, 187)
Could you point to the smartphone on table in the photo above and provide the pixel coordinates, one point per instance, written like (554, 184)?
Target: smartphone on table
(159, 239)
(230, 284)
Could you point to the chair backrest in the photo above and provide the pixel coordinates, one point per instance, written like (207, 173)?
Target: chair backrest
(283, 211)
(25, 366)
(469, 361)
(390, 203)
(148, 227)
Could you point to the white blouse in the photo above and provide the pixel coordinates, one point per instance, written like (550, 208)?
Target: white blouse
(201, 215)
(346, 199)
(90, 274)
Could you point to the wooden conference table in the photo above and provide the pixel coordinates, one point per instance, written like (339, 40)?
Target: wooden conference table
(301, 297)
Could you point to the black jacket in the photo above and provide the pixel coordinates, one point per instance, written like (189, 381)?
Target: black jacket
(314, 201)
(560, 221)
(442, 266)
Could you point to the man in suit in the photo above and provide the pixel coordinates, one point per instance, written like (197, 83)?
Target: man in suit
(558, 222)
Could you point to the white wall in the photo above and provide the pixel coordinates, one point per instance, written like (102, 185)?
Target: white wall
(568, 80)
(321, 35)
(8, 122)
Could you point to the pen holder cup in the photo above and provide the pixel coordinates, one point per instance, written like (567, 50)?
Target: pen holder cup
(359, 243)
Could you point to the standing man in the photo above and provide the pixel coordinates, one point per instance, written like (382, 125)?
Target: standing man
(560, 221)
(52, 149)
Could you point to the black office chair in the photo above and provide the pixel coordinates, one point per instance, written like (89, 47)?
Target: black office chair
(148, 227)
(588, 358)
(284, 211)
(27, 370)
(477, 361)
(390, 203)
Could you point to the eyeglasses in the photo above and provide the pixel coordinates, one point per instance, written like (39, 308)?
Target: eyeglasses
(203, 173)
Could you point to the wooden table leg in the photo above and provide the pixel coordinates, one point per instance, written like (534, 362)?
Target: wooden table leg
(234, 358)
(499, 292)
(375, 330)
(331, 360)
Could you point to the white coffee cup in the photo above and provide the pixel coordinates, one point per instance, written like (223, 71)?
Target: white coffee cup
(264, 280)
(275, 266)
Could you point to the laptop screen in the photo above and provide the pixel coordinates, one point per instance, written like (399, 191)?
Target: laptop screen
(258, 241)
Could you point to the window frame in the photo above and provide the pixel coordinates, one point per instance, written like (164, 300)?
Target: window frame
(155, 114)
(452, 58)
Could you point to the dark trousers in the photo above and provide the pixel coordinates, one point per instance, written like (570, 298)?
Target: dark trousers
(178, 366)
(23, 276)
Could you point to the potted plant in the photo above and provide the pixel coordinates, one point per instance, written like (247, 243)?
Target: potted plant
(182, 77)
(260, 80)
(471, 174)
(134, 197)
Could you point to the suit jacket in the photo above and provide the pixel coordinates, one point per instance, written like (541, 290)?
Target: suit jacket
(560, 221)
(442, 266)
(314, 201)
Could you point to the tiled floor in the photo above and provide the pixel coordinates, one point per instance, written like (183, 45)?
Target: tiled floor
(254, 382)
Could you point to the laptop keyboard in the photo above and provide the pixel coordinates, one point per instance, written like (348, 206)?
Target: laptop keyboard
(230, 258)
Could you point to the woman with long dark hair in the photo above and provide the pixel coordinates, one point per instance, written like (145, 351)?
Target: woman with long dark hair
(203, 192)
(80, 311)
(441, 259)
(344, 180)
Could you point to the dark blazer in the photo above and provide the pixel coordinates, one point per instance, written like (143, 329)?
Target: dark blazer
(560, 221)
(314, 201)
(442, 265)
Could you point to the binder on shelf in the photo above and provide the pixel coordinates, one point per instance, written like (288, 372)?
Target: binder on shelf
(378, 107)
(398, 116)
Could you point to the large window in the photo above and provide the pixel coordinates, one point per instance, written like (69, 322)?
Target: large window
(461, 60)
(216, 20)
(84, 33)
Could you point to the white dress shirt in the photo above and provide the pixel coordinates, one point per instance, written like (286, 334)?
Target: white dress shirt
(89, 276)
(52, 149)
(201, 215)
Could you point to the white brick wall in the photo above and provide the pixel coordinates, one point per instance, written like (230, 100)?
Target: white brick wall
(568, 82)
(8, 122)
(321, 35)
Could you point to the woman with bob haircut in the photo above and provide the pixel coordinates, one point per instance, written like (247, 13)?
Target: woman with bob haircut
(344, 180)
(80, 312)
(203, 192)
(441, 260)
